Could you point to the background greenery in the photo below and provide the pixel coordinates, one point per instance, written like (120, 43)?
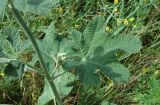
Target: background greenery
(136, 17)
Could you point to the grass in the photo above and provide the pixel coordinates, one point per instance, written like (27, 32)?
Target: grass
(136, 17)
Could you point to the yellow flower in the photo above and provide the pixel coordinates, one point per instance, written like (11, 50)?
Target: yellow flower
(61, 10)
(142, 30)
(101, 14)
(125, 22)
(28, 74)
(145, 1)
(134, 26)
(116, 1)
(50, 14)
(131, 19)
(145, 70)
(116, 10)
(1, 74)
(119, 21)
(108, 29)
(111, 83)
(157, 72)
(77, 26)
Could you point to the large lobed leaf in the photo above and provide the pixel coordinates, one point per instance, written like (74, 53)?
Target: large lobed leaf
(99, 54)
(90, 52)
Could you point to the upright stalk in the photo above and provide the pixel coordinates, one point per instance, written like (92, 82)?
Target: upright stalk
(28, 32)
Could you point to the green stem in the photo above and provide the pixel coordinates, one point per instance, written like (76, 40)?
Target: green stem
(28, 32)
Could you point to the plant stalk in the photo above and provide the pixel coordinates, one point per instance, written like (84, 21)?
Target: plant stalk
(28, 32)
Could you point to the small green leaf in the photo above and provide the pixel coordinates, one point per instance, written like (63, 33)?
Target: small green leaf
(8, 50)
(12, 35)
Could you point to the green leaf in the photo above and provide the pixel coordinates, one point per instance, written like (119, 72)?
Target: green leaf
(41, 7)
(49, 45)
(76, 37)
(99, 54)
(8, 50)
(126, 43)
(61, 84)
(91, 53)
(3, 4)
(11, 44)
(103, 57)
(12, 35)
(67, 49)
(55, 48)
(47, 95)
(89, 33)
(116, 72)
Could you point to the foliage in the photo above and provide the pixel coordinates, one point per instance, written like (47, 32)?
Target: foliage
(151, 94)
(97, 51)
(85, 45)
(73, 52)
